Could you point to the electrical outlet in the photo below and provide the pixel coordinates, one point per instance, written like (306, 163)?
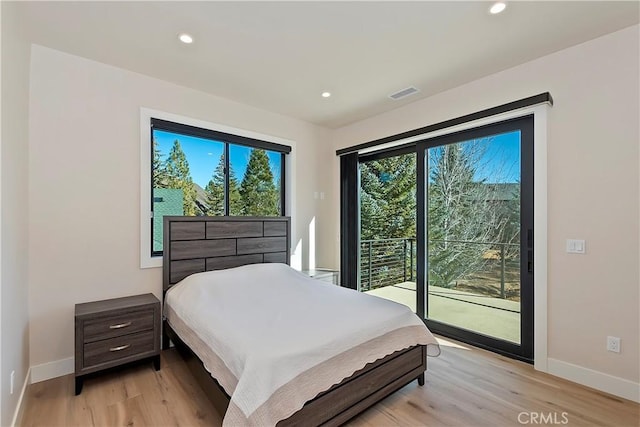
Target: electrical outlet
(13, 376)
(613, 344)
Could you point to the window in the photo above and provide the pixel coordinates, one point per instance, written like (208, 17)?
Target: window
(196, 171)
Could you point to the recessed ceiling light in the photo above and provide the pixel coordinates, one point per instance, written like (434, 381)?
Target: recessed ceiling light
(185, 38)
(497, 7)
(326, 94)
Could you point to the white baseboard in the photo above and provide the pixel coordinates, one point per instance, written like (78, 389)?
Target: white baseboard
(18, 411)
(595, 379)
(54, 369)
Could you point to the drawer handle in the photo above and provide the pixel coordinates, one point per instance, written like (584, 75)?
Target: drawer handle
(121, 347)
(120, 325)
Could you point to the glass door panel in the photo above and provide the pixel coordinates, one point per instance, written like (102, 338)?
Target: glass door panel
(388, 226)
(473, 235)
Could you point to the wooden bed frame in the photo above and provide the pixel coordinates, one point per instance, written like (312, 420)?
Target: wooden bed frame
(197, 244)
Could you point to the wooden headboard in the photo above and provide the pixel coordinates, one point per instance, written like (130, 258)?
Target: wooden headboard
(193, 244)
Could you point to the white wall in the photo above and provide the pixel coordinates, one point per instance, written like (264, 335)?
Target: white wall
(14, 343)
(593, 175)
(84, 185)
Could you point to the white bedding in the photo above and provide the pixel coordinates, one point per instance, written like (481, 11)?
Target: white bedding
(274, 338)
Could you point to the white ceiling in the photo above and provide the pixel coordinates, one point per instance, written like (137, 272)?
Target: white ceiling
(280, 56)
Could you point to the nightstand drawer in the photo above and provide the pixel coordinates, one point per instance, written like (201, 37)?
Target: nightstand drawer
(112, 349)
(115, 326)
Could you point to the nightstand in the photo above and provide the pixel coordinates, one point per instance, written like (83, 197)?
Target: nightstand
(113, 332)
(324, 274)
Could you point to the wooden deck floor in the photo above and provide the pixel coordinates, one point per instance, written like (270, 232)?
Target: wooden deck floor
(465, 386)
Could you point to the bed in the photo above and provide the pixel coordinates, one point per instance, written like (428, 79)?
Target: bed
(314, 376)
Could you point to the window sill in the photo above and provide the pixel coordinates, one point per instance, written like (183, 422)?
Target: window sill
(151, 262)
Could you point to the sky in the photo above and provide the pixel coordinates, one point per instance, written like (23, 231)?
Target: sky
(500, 161)
(203, 156)
(498, 157)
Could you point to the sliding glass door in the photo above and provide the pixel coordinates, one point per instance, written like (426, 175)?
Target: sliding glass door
(446, 226)
(476, 201)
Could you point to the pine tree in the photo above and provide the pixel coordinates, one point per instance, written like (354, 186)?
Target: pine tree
(372, 204)
(235, 200)
(388, 198)
(215, 190)
(388, 211)
(216, 195)
(178, 177)
(158, 178)
(258, 192)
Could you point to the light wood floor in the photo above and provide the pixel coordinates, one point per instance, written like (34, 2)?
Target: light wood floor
(464, 387)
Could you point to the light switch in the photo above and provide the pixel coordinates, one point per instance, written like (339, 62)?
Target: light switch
(575, 246)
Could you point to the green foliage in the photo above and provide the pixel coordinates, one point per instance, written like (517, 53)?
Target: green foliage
(388, 210)
(388, 197)
(159, 174)
(177, 176)
(256, 195)
(215, 192)
(235, 201)
(258, 192)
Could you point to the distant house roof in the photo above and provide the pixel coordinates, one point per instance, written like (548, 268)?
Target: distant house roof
(504, 190)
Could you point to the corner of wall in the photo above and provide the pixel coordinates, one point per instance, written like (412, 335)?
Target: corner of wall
(20, 406)
(14, 330)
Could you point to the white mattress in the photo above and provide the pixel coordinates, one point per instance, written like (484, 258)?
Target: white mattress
(274, 338)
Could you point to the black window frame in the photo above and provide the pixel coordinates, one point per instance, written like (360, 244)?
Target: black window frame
(227, 139)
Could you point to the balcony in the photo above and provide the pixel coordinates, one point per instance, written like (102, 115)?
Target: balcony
(486, 299)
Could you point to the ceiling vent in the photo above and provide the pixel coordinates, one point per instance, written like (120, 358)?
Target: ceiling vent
(403, 93)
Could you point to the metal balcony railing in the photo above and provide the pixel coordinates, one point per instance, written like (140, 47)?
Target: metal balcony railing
(385, 262)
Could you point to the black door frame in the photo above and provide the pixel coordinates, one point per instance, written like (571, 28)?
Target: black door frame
(525, 125)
